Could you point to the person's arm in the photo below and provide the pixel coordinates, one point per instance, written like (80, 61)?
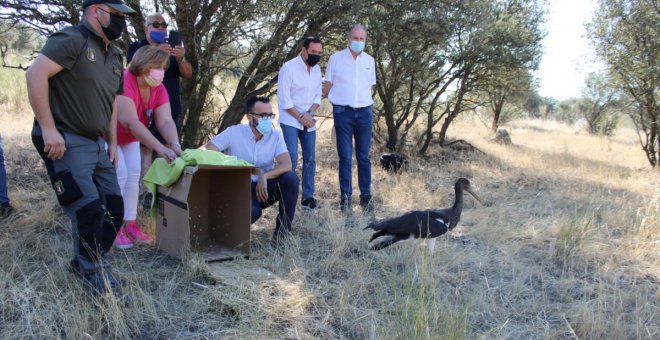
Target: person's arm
(37, 85)
(318, 92)
(166, 127)
(283, 165)
(185, 69)
(111, 136)
(127, 115)
(220, 142)
(284, 80)
(327, 84)
(373, 73)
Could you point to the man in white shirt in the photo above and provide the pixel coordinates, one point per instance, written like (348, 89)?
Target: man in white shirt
(258, 143)
(299, 96)
(349, 77)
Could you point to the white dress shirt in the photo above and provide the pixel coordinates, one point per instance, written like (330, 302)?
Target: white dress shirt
(299, 89)
(239, 141)
(351, 78)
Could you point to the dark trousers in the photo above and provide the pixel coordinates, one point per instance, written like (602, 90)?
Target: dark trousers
(283, 189)
(352, 124)
(85, 183)
(4, 197)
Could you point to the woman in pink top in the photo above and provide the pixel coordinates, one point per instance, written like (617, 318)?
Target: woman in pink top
(143, 104)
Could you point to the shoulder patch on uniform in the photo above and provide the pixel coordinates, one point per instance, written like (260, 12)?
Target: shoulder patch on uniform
(91, 55)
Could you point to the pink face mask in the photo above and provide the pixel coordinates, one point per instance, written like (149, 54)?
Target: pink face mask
(155, 77)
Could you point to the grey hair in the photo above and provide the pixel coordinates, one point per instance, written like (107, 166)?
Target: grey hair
(153, 15)
(354, 26)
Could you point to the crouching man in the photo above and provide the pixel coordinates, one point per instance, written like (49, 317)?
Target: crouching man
(256, 142)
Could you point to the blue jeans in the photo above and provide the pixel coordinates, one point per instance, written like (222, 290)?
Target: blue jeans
(308, 146)
(283, 189)
(353, 124)
(4, 198)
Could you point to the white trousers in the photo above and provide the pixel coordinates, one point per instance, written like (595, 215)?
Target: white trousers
(128, 176)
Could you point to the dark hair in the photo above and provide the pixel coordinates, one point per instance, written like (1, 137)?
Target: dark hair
(250, 103)
(310, 40)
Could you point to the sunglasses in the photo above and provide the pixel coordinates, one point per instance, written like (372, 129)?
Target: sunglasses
(157, 24)
(263, 115)
(111, 12)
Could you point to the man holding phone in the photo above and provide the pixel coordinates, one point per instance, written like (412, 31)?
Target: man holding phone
(156, 32)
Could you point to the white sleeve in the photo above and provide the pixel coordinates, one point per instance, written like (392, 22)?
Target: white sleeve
(280, 146)
(284, 80)
(373, 72)
(329, 68)
(221, 141)
(318, 89)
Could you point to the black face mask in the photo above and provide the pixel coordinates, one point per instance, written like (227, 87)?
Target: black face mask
(117, 25)
(312, 59)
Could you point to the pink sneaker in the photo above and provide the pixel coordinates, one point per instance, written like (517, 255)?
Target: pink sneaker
(133, 231)
(122, 241)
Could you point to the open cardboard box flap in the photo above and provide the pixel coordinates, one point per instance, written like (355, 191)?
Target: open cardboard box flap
(207, 211)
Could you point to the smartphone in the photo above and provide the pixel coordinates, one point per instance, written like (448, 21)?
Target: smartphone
(174, 38)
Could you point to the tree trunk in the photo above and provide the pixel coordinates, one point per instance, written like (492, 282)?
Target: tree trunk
(497, 111)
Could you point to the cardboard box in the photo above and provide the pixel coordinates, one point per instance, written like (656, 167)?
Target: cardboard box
(207, 211)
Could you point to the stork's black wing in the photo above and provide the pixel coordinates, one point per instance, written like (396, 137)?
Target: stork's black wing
(426, 223)
(389, 241)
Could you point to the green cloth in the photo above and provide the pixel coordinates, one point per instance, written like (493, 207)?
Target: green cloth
(165, 174)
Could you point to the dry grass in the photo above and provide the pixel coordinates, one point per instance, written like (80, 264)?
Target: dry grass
(567, 245)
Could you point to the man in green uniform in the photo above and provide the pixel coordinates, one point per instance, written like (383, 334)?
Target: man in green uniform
(72, 86)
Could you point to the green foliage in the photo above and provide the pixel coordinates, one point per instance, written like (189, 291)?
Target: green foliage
(567, 110)
(431, 56)
(18, 43)
(599, 105)
(625, 34)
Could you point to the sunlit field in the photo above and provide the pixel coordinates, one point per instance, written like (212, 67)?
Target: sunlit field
(566, 245)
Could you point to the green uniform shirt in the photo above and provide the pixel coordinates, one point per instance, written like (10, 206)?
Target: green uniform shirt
(82, 94)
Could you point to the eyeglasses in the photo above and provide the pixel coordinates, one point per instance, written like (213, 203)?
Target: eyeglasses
(263, 115)
(112, 12)
(157, 24)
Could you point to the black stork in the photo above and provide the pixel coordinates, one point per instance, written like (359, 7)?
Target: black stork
(427, 224)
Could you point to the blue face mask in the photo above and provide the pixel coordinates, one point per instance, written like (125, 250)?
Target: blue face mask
(158, 36)
(357, 46)
(265, 125)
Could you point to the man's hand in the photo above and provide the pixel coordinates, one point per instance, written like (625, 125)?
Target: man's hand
(262, 189)
(53, 144)
(307, 120)
(165, 48)
(178, 52)
(112, 154)
(166, 153)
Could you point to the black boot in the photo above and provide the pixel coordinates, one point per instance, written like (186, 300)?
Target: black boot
(366, 203)
(97, 276)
